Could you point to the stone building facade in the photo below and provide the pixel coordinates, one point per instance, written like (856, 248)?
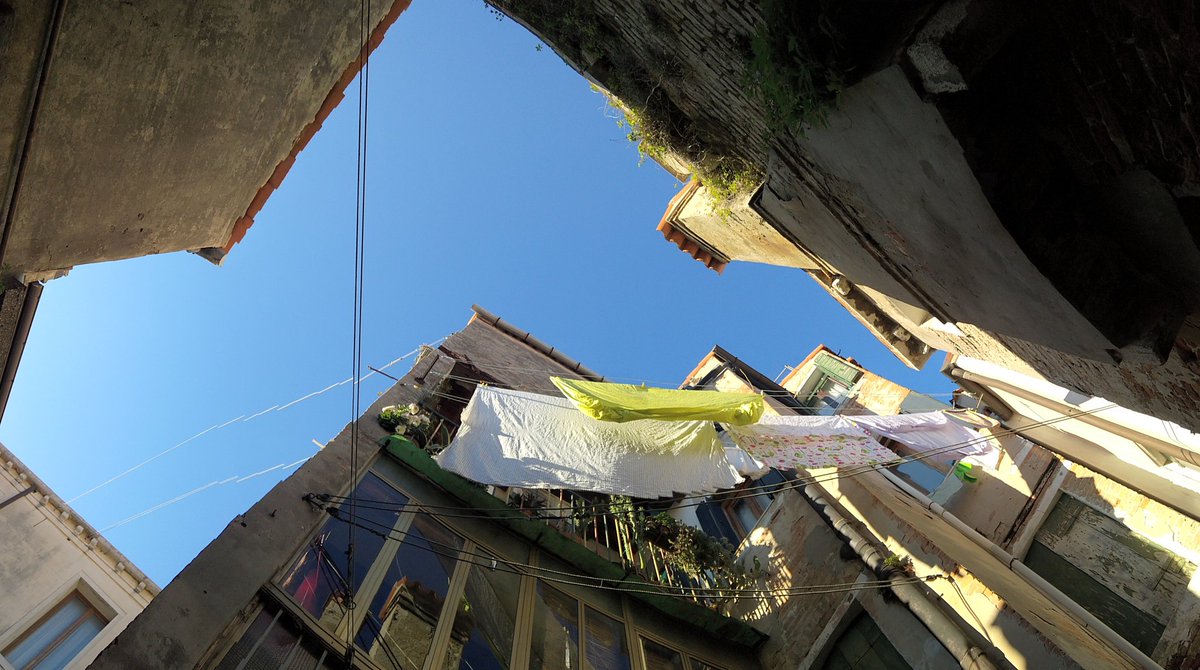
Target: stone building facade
(875, 567)
(981, 184)
(67, 592)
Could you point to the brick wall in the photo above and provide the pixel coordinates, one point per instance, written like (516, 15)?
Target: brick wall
(796, 547)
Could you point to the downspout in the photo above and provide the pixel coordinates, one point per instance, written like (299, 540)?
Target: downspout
(33, 294)
(1035, 580)
(969, 655)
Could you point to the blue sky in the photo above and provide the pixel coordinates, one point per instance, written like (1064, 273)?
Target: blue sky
(496, 177)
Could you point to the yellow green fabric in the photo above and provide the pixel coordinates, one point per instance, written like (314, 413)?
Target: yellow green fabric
(626, 402)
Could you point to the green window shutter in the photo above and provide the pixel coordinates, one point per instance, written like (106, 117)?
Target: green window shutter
(838, 369)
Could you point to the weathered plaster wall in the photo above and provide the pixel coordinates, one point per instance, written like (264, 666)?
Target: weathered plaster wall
(885, 193)
(47, 554)
(916, 202)
(740, 233)
(876, 395)
(796, 547)
(159, 123)
(1006, 612)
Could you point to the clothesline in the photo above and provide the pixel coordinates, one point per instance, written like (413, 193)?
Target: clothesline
(663, 384)
(515, 438)
(450, 396)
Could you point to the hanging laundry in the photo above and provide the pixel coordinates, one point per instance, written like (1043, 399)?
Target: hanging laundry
(928, 431)
(512, 438)
(787, 442)
(628, 402)
(745, 464)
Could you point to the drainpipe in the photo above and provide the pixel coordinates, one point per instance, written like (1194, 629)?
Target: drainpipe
(969, 655)
(33, 294)
(1035, 580)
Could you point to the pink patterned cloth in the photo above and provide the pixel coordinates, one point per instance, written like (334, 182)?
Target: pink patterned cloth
(787, 442)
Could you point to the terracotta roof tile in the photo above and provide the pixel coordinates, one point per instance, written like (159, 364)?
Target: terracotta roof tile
(677, 235)
(327, 106)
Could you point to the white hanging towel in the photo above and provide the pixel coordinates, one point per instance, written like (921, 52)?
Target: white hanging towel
(745, 464)
(787, 442)
(512, 438)
(927, 431)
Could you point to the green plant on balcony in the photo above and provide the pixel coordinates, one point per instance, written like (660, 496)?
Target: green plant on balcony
(686, 549)
(408, 421)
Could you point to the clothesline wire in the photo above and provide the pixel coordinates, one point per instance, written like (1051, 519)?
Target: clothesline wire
(520, 568)
(579, 512)
(240, 419)
(771, 393)
(604, 508)
(801, 411)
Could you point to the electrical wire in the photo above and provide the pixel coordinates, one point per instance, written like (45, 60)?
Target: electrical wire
(241, 419)
(602, 583)
(360, 229)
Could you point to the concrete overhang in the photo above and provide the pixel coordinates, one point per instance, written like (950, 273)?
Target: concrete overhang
(137, 127)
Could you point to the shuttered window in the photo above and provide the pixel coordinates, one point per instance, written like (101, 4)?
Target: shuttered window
(1130, 583)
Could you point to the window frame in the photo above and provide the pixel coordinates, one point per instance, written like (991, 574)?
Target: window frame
(272, 596)
(79, 586)
(373, 580)
(688, 657)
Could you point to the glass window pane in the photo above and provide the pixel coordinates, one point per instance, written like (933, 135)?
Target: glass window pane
(66, 650)
(659, 657)
(273, 648)
(318, 578)
(276, 644)
(58, 638)
(397, 631)
(924, 476)
(555, 631)
(701, 665)
(485, 625)
(746, 515)
(606, 646)
(242, 647)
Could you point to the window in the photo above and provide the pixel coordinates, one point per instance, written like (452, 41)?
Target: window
(486, 623)
(556, 638)
(734, 517)
(275, 641)
(57, 637)
(425, 597)
(656, 656)
(925, 474)
(398, 629)
(1128, 582)
(423, 593)
(862, 646)
(659, 657)
(555, 631)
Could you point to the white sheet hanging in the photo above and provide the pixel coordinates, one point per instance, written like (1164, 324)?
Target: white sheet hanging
(512, 438)
(927, 431)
